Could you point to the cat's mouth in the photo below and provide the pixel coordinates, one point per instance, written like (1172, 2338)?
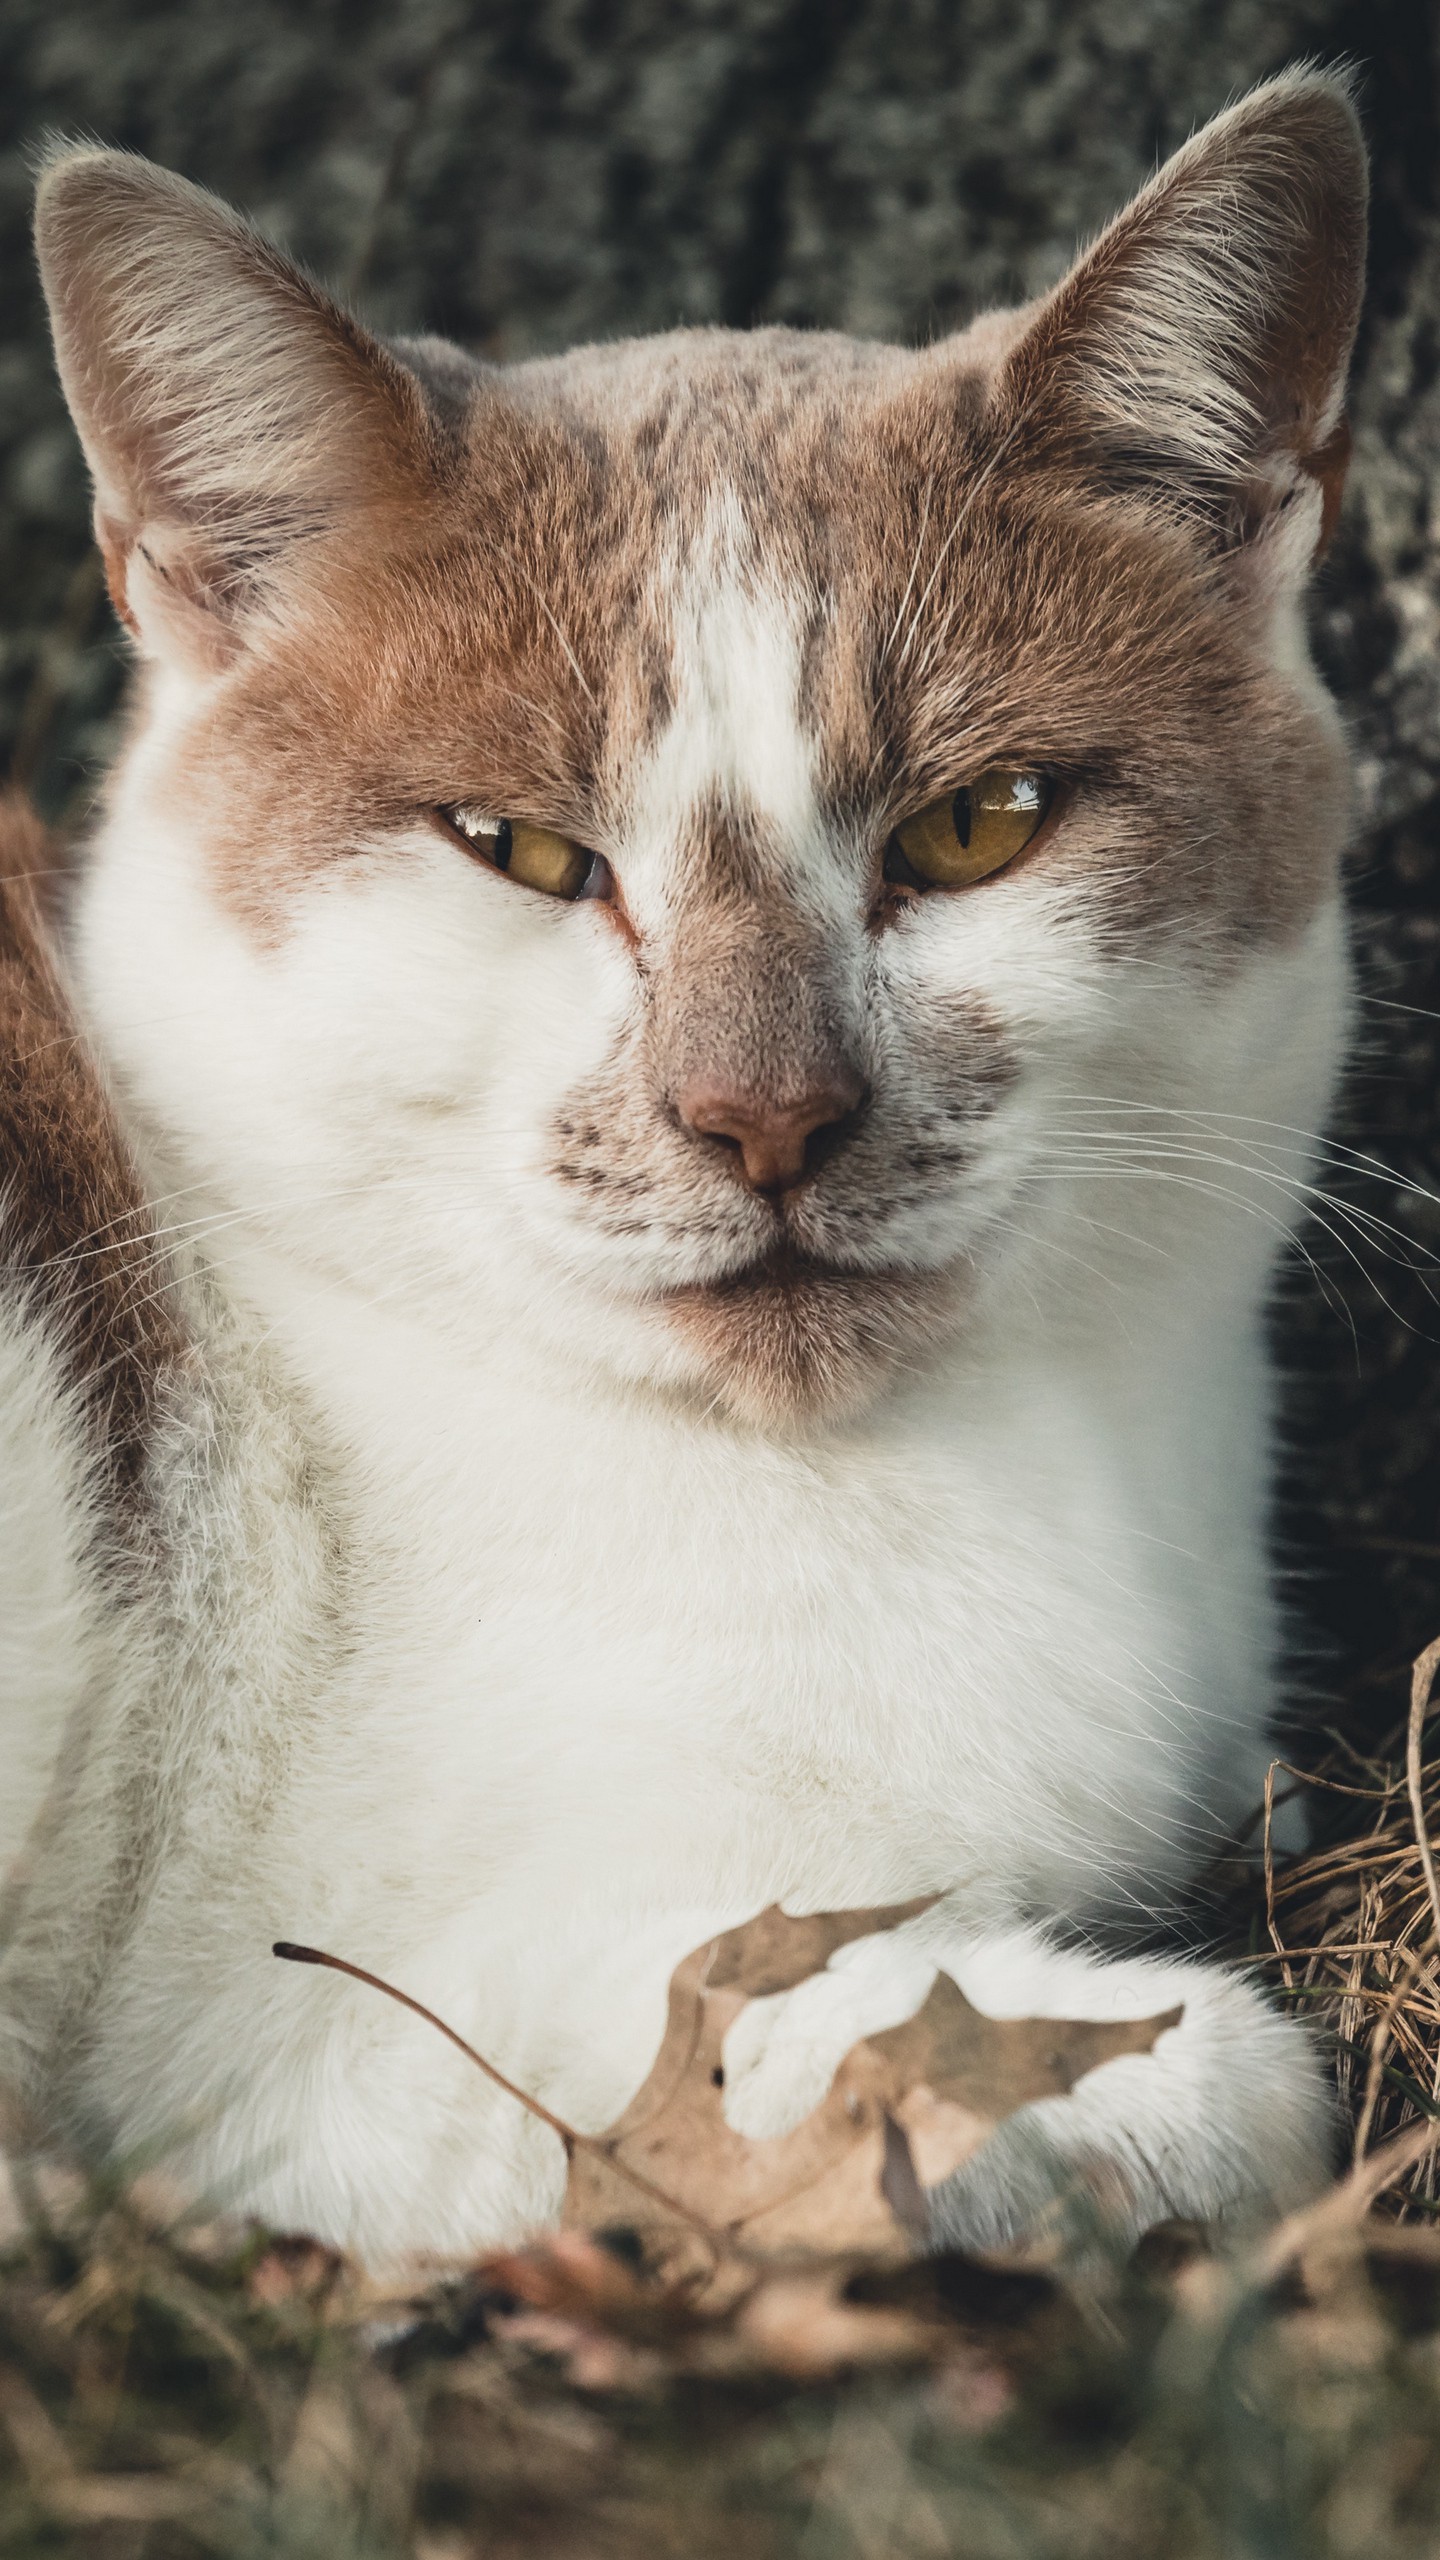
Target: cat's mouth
(784, 1269)
(789, 1337)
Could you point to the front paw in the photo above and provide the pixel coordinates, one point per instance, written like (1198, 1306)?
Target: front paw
(1227, 2123)
(783, 2052)
(1026, 2188)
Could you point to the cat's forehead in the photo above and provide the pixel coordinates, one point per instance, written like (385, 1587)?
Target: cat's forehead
(748, 526)
(813, 447)
(784, 531)
(650, 569)
(687, 394)
(724, 591)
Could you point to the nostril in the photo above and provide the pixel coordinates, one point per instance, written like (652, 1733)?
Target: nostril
(826, 1139)
(779, 1144)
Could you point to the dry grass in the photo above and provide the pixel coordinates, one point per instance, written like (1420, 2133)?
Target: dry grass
(1355, 1930)
(168, 2393)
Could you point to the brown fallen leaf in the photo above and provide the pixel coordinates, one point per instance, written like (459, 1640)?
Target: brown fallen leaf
(615, 2327)
(715, 2210)
(574, 2277)
(906, 2108)
(800, 2323)
(611, 2326)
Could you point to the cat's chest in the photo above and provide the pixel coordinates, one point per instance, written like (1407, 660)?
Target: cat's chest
(624, 1616)
(767, 1667)
(673, 1719)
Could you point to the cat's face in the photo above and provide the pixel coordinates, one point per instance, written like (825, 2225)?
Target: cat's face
(683, 859)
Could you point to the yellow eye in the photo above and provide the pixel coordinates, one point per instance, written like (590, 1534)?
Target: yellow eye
(541, 859)
(977, 830)
(538, 857)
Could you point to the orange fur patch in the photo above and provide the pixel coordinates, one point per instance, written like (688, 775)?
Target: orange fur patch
(78, 1231)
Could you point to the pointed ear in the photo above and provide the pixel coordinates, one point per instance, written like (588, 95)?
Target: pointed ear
(1195, 358)
(228, 410)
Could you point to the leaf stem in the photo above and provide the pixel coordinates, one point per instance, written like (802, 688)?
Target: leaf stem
(596, 2145)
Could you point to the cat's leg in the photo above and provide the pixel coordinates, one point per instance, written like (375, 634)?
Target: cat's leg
(1225, 2121)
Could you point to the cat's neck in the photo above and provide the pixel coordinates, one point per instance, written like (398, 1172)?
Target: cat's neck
(416, 1418)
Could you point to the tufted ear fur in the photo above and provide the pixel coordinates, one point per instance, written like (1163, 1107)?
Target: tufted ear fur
(1196, 355)
(228, 409)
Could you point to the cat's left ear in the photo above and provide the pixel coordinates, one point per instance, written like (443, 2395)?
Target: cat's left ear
(1195, 358)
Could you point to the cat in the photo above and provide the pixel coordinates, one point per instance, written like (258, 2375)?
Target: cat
(643, 1180)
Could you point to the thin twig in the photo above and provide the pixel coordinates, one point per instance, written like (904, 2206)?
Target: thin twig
(1379, 2045)
(1275, 1938)
(1422, 1547)
(356, 270)
(1422, 1682)
(597, 2147)
(1405, 2152)
(1345, 2206)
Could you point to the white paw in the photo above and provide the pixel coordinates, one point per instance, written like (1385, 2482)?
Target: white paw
(782, 2053)
(1227, 2122)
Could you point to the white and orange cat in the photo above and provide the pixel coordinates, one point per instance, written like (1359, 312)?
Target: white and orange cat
(642, 1191)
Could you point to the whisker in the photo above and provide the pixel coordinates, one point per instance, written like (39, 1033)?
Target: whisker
(914, 571)
(1367, 1222)
(1066, 1170)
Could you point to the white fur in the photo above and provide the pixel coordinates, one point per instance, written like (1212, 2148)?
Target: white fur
(733, 731)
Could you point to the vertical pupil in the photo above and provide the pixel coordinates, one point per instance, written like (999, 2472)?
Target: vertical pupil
(960, 812)
(500, 845)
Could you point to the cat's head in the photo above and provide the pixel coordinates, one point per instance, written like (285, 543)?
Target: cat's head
(698, 845)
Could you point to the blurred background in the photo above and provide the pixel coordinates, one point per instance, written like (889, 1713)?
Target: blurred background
(523, 173)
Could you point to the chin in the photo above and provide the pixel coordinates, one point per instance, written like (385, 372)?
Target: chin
(789, 1343)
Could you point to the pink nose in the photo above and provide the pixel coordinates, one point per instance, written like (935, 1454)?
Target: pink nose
(778, 1145)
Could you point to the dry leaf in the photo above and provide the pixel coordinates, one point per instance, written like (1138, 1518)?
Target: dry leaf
(749, 2245)
(906, 2108)
(801, 2324)
(615, 2329)
(573, 2277)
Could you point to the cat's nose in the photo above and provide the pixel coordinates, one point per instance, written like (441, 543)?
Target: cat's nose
(776, 1146)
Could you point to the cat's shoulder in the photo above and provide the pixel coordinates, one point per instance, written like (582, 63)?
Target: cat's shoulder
(81, 1256)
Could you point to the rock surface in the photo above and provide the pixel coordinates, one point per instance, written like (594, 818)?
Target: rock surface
(540, 170)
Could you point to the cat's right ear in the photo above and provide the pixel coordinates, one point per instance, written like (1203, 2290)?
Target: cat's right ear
(1194, 360)
(229, 411)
